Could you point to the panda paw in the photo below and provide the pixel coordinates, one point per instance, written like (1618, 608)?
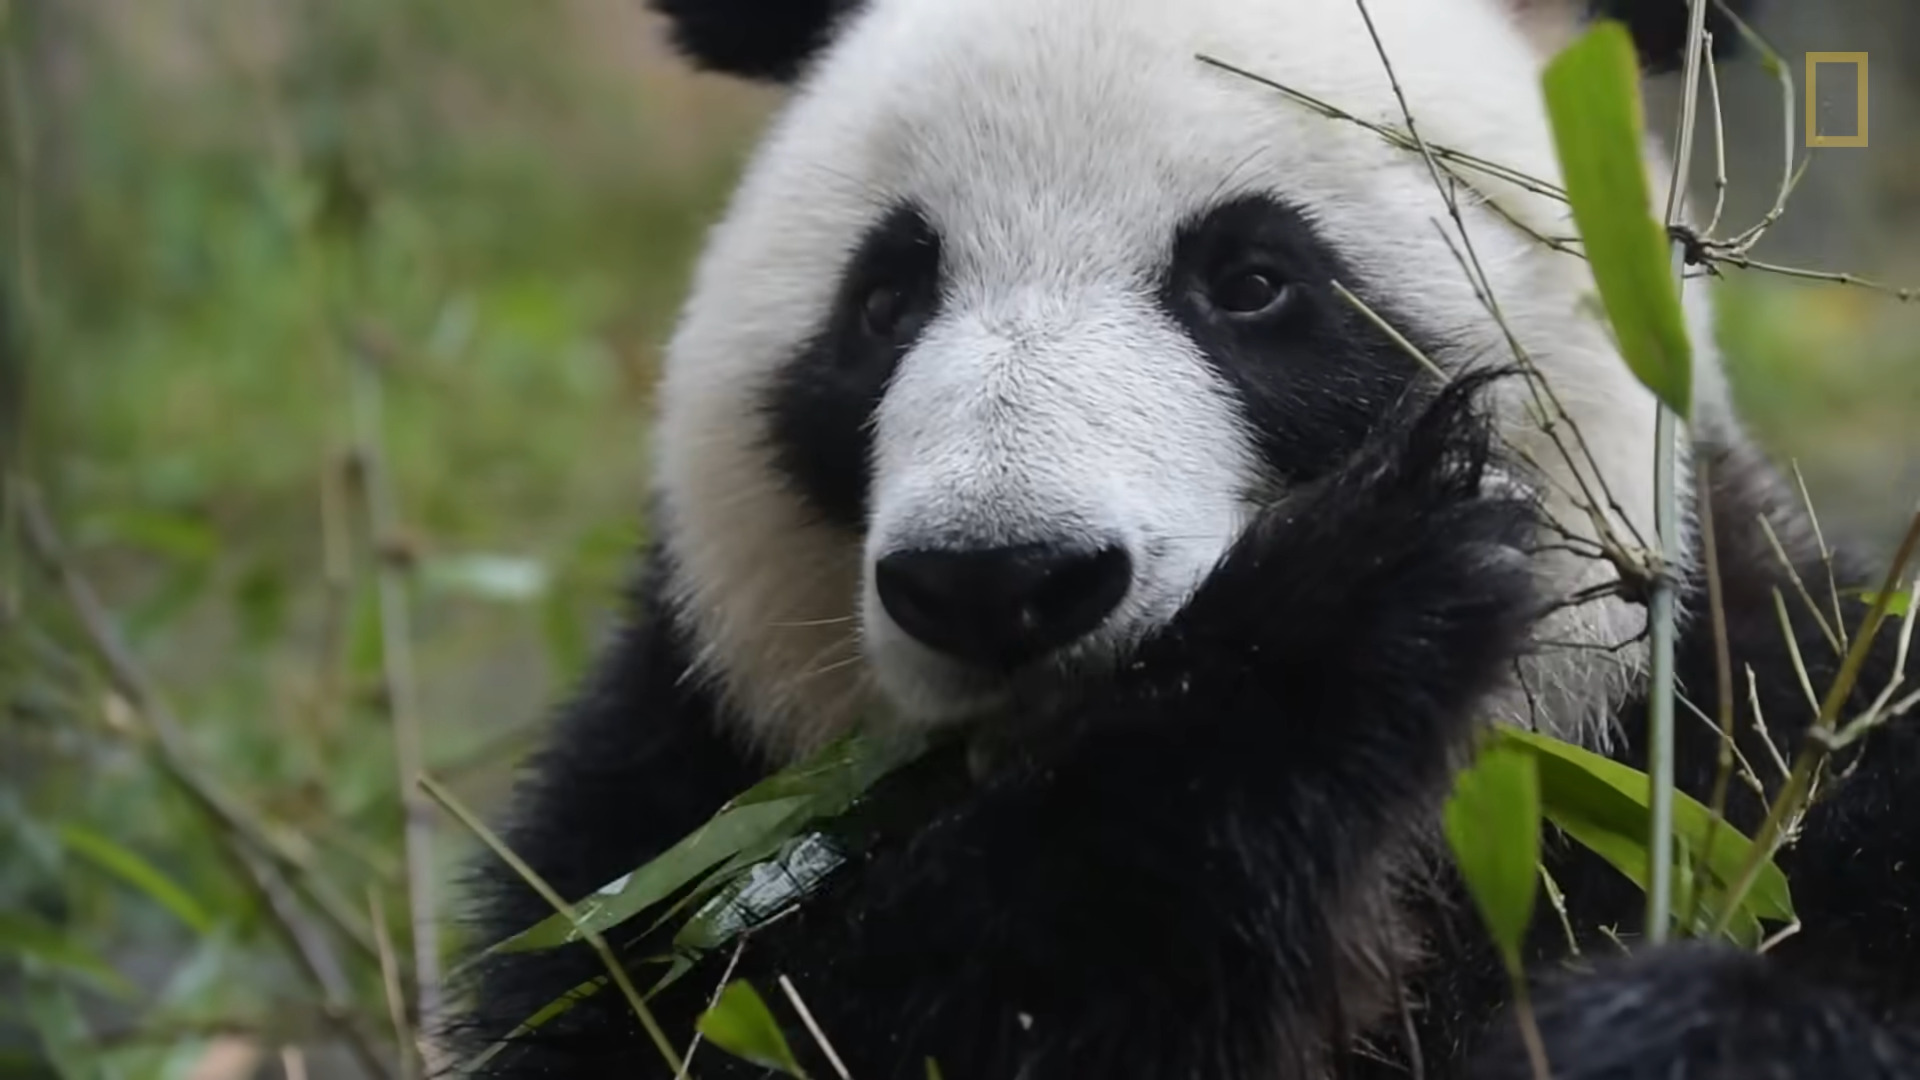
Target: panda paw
(1400, 584)
(1702, 1012)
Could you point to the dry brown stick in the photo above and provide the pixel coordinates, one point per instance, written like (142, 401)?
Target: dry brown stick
(392, 565)
(310, 948)
(390, 984)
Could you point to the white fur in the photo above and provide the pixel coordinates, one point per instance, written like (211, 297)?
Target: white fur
(1056, 144)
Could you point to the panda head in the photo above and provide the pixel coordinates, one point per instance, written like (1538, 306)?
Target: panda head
(1021, 308)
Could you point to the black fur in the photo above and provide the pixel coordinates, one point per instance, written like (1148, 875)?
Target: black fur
(755, 39)
(1660, 27)
(821, 407)
(636, 761)
(1193, 879)
(1699, 1012)
(1311, 381)
(774, 39)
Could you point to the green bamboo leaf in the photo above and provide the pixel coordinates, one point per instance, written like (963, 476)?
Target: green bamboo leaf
(33, 942)
(1603, 805)
(139, 873)
(1492, 823)
(630, 894)
(741, 1024)
(531, 1024)
(933, 1070)
(749, 829)
(1593, 100)
(765, 889)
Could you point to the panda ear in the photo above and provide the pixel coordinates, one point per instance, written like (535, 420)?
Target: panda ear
(1659, 27)
(769, 40)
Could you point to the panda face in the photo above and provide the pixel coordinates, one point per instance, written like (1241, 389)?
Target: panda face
(1022, 308)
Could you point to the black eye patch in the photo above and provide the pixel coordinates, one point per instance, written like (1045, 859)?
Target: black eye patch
(1251, 281)
(820, 408)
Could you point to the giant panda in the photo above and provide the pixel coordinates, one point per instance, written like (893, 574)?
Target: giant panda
(1016, 396)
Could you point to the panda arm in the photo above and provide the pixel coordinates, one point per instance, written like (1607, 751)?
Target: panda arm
(1840, 997)
(1196, 883)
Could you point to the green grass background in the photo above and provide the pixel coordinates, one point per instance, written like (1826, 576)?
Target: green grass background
(215, 213)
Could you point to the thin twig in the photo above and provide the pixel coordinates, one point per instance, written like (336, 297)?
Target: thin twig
(594, 939)
(1722, 671)
(1813, 751)
(1394, 136)
(312, 953)
(1393, 335)
(813, 1028)
(1761, 728)
(1826, 554)
(402, 699)
(1799, 662)
(390, 983)
(1661, 608)
(1793, 574)
(1558, 901)
(1719, 139)
(719, 988)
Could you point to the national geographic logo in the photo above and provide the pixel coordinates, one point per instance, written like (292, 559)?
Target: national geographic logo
(1829, 121)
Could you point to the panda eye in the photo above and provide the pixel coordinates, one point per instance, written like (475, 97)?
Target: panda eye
(1245, 293)
(885, 311)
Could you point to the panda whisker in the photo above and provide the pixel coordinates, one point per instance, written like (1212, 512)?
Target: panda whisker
(795, 624)
(1232, 176)
(828, 669)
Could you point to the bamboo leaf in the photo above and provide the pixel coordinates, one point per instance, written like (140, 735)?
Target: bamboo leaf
(136, 871)
(741, 1024)
(1900, 604)
(1492, 823)
(36, 943)
(1593, 99)
(1603, 805)
(748, 829)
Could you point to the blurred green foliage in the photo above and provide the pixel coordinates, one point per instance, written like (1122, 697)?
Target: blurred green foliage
(220, 215)
(219, 218)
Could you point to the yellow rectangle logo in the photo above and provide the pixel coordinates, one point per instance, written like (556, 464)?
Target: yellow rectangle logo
(1859, 136)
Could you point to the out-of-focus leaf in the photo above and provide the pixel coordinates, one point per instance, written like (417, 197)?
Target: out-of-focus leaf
(33, 942)
(505, 578)
(1603, 805)
(1899, 604)
(1593, 99)
(63, 1031)
(741, 1024)
(260, 600)
(136, 871)
(1492, 824)
(178, 536)
(177, 592)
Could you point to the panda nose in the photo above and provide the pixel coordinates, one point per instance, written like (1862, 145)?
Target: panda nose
(1001, 607)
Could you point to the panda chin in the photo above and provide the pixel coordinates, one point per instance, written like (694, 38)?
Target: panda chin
(925, 690)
